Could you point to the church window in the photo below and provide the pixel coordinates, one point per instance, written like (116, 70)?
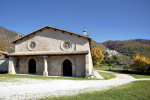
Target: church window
(66, 44)
(32, 45)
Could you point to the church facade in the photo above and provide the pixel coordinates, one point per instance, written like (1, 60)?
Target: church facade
(50, 51)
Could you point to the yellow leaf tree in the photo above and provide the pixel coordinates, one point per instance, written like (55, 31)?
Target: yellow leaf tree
(140, 63)
(97, 56)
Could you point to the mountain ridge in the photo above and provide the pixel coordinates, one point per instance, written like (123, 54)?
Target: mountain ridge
(6, 37)
(130, 47)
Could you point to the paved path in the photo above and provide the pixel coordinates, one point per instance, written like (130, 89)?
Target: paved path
(38, 88)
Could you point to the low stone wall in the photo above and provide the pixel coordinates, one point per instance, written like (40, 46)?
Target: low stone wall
(4, 65)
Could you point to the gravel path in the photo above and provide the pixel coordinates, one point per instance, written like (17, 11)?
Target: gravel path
(119, 76)
(38, 88)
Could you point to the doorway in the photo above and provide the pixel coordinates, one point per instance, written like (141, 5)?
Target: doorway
(32, 66)
(67, 68)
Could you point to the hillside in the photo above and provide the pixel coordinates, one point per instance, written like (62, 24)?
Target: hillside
(143, 41)
(99, 45)
(130, 47)
(6, 36)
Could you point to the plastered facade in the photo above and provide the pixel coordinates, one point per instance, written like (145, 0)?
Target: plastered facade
(50, 40)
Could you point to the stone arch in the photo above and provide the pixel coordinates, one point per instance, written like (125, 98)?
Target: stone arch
(27, 63)
(72, 62)
(66, 57)
(67, 68)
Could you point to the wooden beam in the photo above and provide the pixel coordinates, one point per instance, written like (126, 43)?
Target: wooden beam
(47, 27)
(70, 33)
(40, 30)
(63, 31)
(55, 29)
(79, 36)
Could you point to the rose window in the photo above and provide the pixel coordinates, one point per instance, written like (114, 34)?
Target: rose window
(32, 44)
(66, 45)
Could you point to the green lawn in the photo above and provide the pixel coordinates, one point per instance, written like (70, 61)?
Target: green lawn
(110, 67)
(106, 75)
(137, 90)
(105, 67)
(13, 76)
(139, 76)
(133, 75)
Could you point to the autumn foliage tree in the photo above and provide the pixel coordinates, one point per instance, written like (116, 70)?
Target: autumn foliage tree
(97, 56)
(139, 63)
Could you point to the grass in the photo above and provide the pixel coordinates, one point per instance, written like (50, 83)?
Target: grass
(109, 67)
(106, 75)
(105, 67)
(137, 90)
(12, 76)
(139, 76)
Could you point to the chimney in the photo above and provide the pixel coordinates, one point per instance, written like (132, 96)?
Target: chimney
(84, 31)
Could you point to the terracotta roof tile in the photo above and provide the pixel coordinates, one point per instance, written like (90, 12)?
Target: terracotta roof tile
(2, 52)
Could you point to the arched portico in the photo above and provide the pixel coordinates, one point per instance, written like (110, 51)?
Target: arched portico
(67, 60)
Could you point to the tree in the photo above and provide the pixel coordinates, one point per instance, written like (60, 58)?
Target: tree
(139, 63)
(97, 56)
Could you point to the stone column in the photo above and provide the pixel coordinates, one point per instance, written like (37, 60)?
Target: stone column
(11, 69)
(86, 66)
(45, 72)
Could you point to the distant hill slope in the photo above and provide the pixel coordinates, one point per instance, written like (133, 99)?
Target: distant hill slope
(6, 37)
(130, 47)
(99, 45)
(143, 41)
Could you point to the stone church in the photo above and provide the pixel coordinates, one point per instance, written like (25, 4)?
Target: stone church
(51, 51)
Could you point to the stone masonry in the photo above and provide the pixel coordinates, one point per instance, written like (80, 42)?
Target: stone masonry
(49, 47)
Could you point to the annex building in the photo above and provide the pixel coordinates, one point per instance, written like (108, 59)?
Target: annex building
(52, 51)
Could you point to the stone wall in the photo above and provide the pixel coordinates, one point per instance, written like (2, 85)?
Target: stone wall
(55, 65)
(51, 40)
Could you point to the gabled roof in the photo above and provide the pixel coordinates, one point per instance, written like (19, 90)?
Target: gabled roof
(2, 52)
(40, 29)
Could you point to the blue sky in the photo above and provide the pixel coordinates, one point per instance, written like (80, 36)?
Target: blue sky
(103, 19)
